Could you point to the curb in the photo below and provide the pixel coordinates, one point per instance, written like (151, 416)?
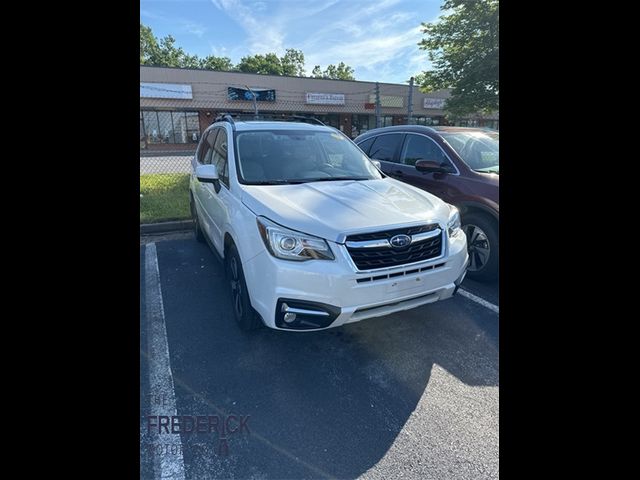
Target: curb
(164, 227)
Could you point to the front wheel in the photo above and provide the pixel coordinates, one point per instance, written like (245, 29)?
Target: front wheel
(482, 245)
(245, 315)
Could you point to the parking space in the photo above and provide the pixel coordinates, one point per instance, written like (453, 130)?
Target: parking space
(413, 394)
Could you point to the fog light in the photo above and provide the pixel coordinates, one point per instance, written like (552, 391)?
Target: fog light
(289, 317)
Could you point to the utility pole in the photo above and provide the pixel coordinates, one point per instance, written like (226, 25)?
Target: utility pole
(255, 103)
(410, 106)
(378, 119)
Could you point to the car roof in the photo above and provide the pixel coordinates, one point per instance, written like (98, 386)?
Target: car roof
(464, 129)
(397, 128)
(245, 125)
(423, 129)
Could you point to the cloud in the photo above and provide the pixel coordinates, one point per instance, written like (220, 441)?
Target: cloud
(184, 25)
(193, 28)
(151, 15)
(378, 39)
(268, 33)
(367, 52)
(263, 36)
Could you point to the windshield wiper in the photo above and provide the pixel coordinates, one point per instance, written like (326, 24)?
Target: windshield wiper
(270, 182)
(328, 179)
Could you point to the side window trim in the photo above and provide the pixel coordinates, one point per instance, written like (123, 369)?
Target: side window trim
(224, 180)
(212, 138)
(404, 144)
(396, 153)
(205, 141)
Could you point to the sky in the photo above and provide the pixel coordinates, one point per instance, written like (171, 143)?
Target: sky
(377, 38)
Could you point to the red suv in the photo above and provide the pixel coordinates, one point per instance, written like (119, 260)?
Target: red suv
(459, 165)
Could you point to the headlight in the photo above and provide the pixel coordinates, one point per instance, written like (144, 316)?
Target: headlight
(290, 245)
(453, 225)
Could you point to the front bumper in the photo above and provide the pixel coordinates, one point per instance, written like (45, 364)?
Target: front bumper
(325, 294)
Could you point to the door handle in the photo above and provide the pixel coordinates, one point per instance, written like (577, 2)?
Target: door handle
(398, 173)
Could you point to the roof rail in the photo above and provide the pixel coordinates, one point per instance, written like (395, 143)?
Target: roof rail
(225, 117)
(267, 117)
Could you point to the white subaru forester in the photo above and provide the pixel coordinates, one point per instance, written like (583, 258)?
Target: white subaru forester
(312, 234)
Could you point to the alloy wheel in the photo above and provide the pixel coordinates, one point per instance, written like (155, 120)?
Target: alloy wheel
(478, 247)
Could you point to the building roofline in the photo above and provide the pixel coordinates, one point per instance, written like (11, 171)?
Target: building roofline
(284, 76)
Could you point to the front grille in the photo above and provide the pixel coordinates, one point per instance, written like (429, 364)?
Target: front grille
(398, 274)
(387, 234)
(367, 258)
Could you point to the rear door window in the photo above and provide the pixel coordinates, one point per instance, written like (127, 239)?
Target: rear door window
(419, 147)
(385, 147)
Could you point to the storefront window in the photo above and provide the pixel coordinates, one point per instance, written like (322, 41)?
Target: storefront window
(166, 127)
(362, 123)
(169, 127)
(151, 127)
(193, 127)
(386, 120)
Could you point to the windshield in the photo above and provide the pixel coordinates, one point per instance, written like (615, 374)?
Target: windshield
(478, 150)
(292, 156)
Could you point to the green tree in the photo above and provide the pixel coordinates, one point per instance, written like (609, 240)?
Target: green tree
(216, 63)
(292, 63)
(340, 72)
(266, 64)
(463, 48)
(164, 53)
(148, 45)
(172, 56)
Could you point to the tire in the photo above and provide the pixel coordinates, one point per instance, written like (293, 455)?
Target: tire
(483, 246)
(196, 223)
(243, 312)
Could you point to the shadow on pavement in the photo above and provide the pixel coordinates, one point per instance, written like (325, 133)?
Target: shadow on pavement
(324, 404)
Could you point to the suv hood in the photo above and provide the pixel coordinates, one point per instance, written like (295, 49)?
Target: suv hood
(329, 209)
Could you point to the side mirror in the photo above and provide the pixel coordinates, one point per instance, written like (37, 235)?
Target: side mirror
(208, 174)
(428, 166)
(377, 164)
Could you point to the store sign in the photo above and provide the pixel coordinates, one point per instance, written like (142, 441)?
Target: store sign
(244, 94)
(166, 90)
(388, 100)
(434, 103)
(325, 98)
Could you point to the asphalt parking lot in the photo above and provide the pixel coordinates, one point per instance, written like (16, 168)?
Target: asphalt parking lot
(411, 395)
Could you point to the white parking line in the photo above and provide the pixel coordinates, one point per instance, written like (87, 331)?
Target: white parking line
(165, 465)
(479, 300)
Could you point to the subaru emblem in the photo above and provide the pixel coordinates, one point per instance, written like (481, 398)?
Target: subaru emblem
(399, 241)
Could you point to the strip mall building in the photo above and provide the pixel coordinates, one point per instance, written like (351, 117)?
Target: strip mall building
(177, 105)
